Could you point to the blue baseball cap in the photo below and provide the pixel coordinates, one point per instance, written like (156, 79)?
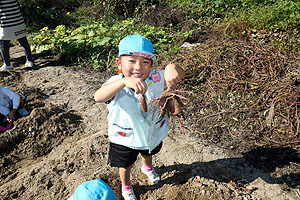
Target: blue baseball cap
(94, 190)
(137, 45)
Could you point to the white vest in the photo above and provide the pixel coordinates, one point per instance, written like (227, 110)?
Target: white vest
(128, 125)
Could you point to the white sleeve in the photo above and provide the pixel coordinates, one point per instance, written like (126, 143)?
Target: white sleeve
(13, 96)
(113, 78)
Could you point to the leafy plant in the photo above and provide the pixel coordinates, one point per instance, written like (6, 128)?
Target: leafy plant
(94, 42)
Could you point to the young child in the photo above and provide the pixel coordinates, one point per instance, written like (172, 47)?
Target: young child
(132, 131)
(10, 103)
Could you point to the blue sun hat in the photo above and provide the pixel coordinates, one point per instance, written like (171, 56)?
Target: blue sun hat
(94, 190)
(137, 45)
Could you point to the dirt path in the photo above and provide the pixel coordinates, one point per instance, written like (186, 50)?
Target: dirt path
(63, 142)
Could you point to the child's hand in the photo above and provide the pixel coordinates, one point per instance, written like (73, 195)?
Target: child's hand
(11, 116)
(173, 75)
(137, 84)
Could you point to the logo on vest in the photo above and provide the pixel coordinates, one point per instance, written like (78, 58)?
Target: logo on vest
(155, 77)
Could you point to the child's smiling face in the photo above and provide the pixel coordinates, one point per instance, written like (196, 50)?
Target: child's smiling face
(134, 66)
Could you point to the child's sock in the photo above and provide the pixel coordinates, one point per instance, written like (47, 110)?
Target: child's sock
(126, 187)
(148, 168)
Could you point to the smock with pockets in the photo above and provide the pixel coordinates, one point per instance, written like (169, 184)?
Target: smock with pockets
(128, 125)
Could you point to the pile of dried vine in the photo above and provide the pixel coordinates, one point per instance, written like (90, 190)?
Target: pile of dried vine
(245, 93)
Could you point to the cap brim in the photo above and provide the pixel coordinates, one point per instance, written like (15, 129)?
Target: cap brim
(140, 53)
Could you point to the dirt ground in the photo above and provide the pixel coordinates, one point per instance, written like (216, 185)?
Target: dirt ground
(64, 142)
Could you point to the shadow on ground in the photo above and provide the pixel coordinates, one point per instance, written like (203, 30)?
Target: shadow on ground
(260, 162)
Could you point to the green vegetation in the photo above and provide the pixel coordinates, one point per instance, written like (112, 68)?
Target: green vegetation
(87, 31)
(97, 42)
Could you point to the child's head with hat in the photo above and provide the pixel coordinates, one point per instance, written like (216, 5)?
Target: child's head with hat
(93, 190)
(136, 55)
(137, 45)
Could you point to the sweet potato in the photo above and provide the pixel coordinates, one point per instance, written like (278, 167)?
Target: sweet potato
(169, 103)
(144, 104)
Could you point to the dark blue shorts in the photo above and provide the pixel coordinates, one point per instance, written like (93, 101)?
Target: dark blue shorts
(121, 156)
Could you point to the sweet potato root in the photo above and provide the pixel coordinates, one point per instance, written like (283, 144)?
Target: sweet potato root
(170, 104)
(144, 104)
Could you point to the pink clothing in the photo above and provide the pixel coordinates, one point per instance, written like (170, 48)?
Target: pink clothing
(2, 129)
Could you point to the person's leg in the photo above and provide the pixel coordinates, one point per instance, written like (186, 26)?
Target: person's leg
(4, 49)
(149, 170)
(147, 167)
(147, 160)
(147, 157)
(26, 47)
(125, 175)
(123, 158)
(127, 190)
(147, 163)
